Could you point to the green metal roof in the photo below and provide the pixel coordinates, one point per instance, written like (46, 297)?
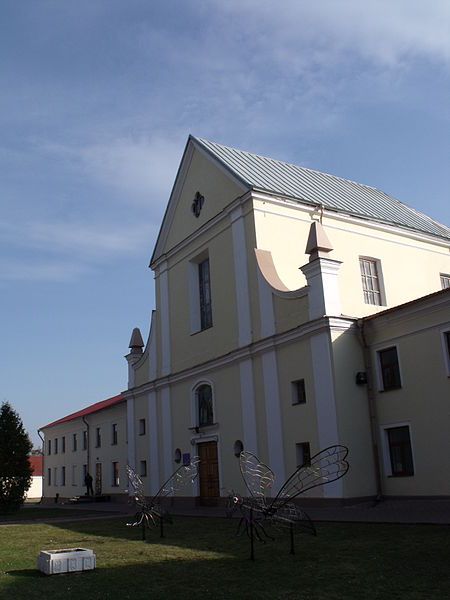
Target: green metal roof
(313, 187)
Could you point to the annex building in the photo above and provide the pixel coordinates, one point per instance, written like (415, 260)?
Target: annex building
(294, 310)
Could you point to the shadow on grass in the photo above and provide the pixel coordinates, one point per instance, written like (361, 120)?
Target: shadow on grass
(202, 558)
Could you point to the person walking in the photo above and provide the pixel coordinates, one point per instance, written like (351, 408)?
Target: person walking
(88, 483)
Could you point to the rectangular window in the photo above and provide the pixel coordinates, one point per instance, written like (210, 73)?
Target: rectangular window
(63, 444)
(303, 454)
(49, 477)
(445, 281)
(85, 439)
(84, 473)
(370, 281)
(56, 446)
(204, 294)
(63, 475)
(298, 392)
(55, 476)
(49, 449)
(74, 442)
(115, 474)
(98, 437)
(141, 426)
(389, 369)
(74, 474)
(400, 453)
(446, 349)
(143, 468)
(114, 434)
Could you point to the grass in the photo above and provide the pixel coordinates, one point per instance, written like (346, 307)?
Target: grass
(46, 513)
(202, 558)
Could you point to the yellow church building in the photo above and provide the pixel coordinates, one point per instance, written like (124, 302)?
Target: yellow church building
(294, 310)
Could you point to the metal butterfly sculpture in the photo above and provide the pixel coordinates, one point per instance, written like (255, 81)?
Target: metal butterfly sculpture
(151, 510)
(324, 467)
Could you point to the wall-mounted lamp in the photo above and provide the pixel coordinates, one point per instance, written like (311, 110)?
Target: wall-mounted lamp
(361, 378)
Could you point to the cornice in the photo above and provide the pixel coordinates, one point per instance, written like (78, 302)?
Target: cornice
(341, 324)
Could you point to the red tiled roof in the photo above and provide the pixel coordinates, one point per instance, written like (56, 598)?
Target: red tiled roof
(93, 408)
(36, 463)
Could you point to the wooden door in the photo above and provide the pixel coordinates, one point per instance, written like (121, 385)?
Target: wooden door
(98, 479)
(209, 473)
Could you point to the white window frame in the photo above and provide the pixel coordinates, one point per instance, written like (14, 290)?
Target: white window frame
(379, 374)
(194, 406)
(386, 454)
(380, 279)
(446, 350)
(445, 280)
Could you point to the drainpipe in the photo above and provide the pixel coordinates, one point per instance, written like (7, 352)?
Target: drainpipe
(43, 464)
(88, 445)
(372, 409)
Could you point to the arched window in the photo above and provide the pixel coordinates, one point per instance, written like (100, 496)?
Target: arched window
(204, 405)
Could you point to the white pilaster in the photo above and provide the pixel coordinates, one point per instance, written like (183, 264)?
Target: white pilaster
(273, 417)
(166, 422)
(325, 402)
(322, 278)
(248, 406)
(241, 277)
(131, 441)
(155, 482)
(165, 319)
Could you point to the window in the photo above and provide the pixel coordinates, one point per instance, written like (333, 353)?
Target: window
(204, 405)
(98, 437)
(63, 444)
(303, 454)
(446, 347)
(400, 453)
(55, 476)
(115, 474)
(389, 368)
(143, 468)
(56, 446)
(49, 477)
(114, 434)
(74, 442)
(84, 473)
(204, 294)
(85, 439)
(74, 474)
(298, 392)
(370, 281)
(63, 475)
(445, 281)
(177, 455)
(49, 449)
(141, 426)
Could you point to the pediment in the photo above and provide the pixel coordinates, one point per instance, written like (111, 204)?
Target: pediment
(203, 188)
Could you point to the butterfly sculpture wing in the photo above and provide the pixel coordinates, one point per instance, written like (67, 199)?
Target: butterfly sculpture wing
(182, 476)
(258, 478)
(324, 467)
(137, 485)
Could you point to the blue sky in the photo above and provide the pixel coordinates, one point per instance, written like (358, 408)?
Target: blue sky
(96, 102)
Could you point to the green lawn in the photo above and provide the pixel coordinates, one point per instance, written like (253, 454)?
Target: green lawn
(44, 513)
(201, 558)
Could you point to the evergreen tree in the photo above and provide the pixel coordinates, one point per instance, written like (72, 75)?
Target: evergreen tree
(15, 469)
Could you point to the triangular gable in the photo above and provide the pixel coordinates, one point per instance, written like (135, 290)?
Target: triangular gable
(199, 172)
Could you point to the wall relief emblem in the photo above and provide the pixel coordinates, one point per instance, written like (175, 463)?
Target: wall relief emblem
(197, 204)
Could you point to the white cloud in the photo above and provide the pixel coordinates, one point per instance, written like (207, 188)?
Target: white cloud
(382, 31)
(41, 270)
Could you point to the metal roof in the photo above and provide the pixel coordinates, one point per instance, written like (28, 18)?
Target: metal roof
(314, 187)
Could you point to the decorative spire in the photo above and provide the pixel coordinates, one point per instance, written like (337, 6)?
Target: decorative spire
(136, 341)
(318, 244)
